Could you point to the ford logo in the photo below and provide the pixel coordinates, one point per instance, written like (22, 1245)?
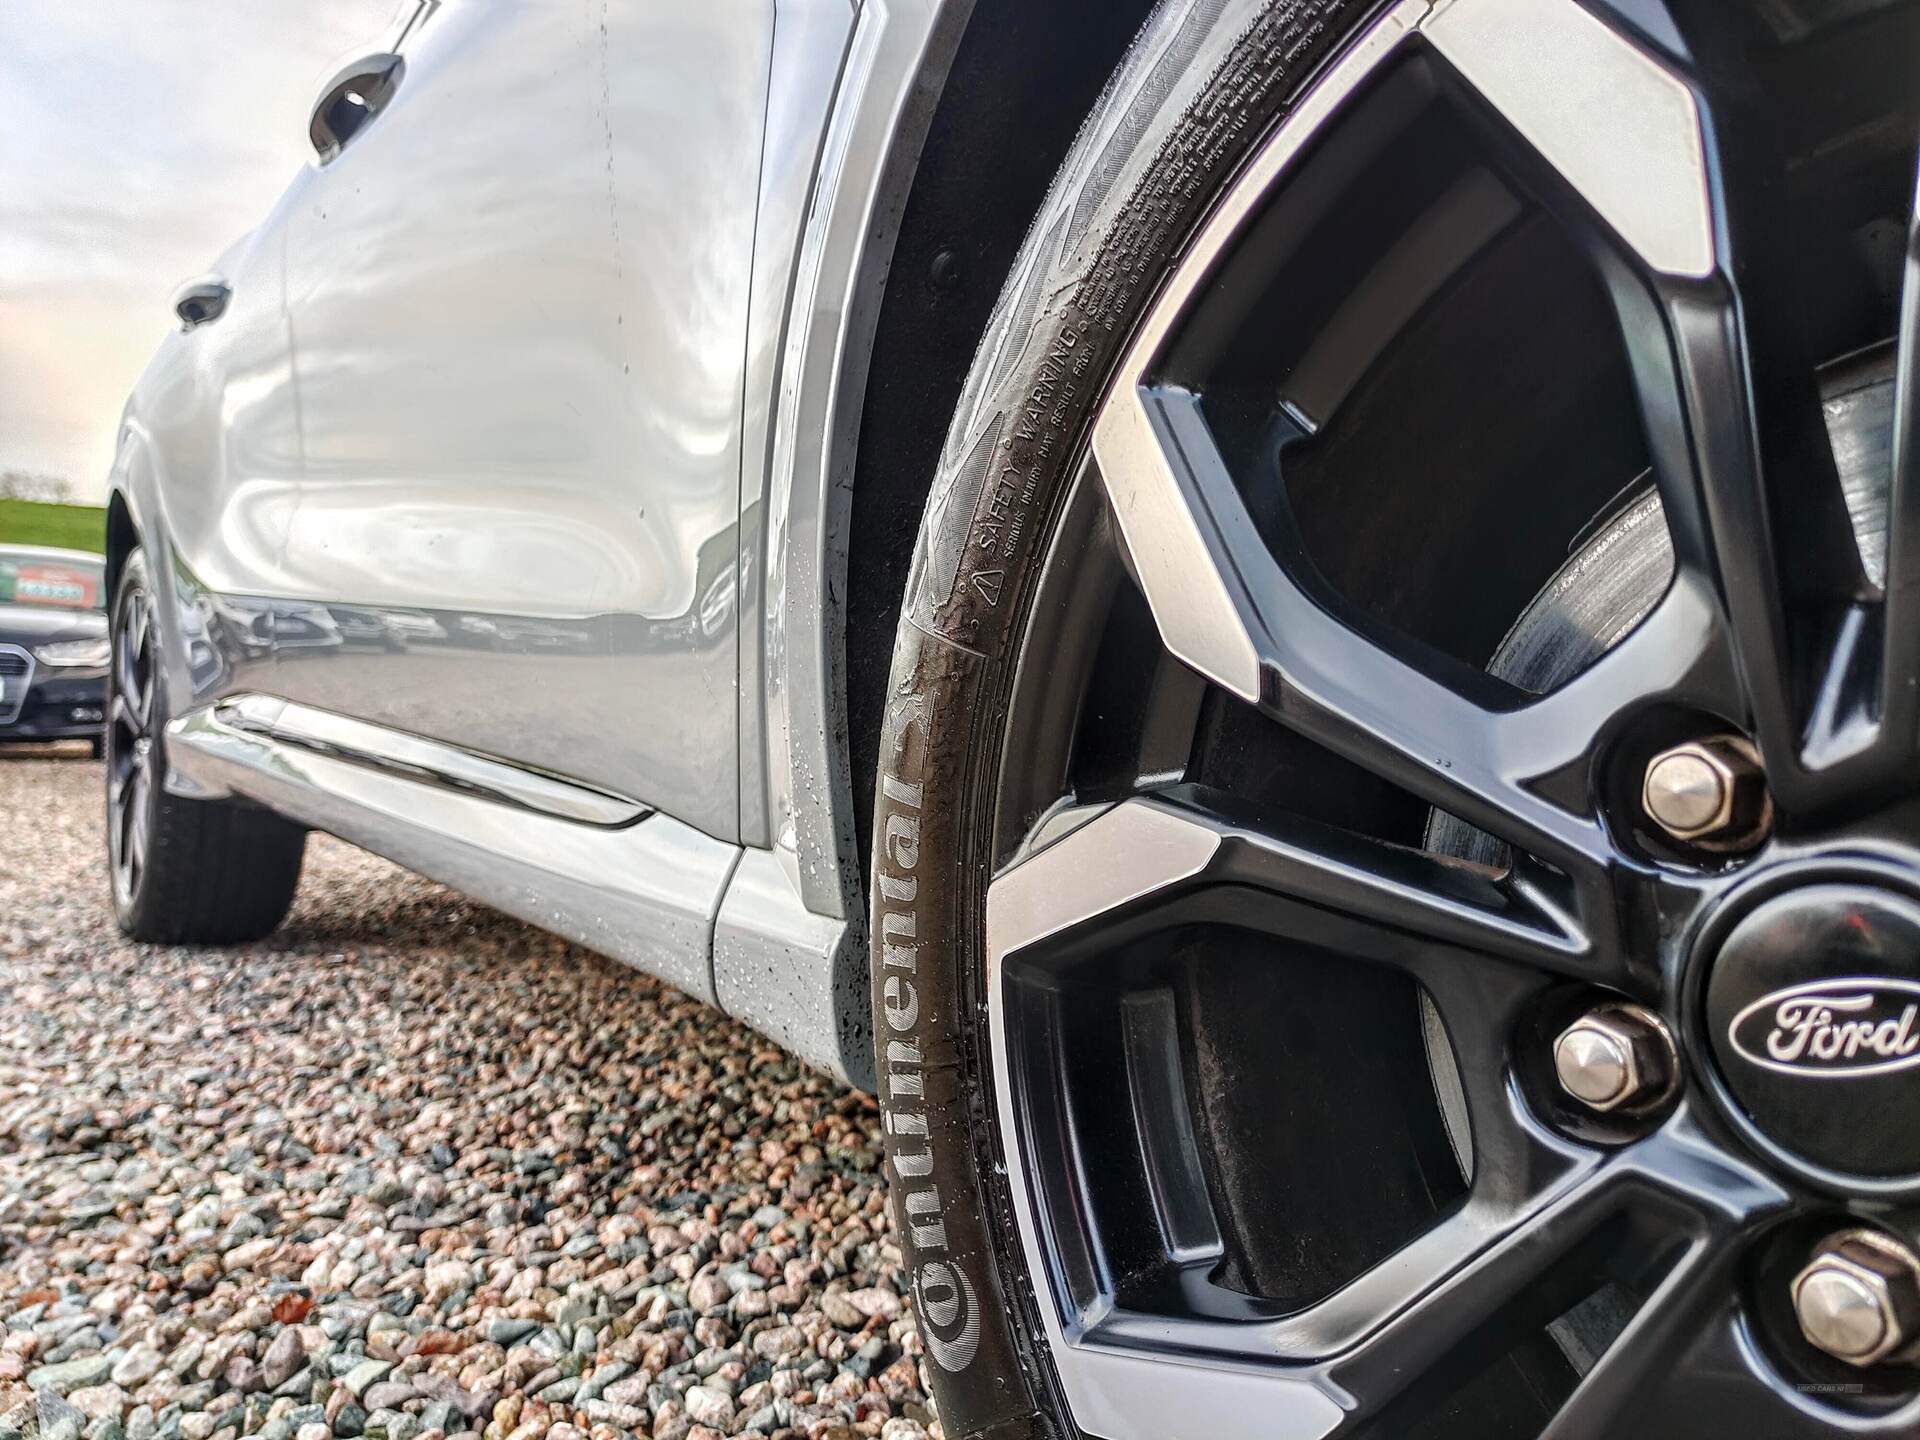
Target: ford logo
(1832, 1029)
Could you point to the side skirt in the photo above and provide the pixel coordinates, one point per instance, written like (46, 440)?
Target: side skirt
(723, 924)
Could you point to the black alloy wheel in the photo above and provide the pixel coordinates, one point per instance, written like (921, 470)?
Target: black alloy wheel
(130, 739)
(1397, 861)
(183, 870)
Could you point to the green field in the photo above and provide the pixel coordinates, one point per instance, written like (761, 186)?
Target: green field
(73, 527)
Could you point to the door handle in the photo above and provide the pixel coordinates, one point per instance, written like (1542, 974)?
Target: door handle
(352, 98)
(201, 301)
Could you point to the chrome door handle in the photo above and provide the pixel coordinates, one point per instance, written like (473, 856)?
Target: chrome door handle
(352, 98)
(201, 301)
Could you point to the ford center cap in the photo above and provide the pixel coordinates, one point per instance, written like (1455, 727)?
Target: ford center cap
(1813, 1013)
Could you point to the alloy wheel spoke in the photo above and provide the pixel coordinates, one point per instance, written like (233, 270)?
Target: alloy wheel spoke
(122, 715)
(1687, 1366)
(143, 693)
(132, 668)
(1188, 852)
(1491, 1275)
(125, 820)
(1634, 1379)
(1727, 372)
(1784, 591)
(130, 723)
(1900, 688)
(137, 792)
(1232, 611)
(1521, 1273)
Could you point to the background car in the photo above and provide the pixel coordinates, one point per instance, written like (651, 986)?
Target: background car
(53, 645)
(1321, 683)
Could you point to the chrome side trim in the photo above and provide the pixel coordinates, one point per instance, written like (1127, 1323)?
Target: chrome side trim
(646, 894)
(798, 978)
(423, 760)
(1622, 129)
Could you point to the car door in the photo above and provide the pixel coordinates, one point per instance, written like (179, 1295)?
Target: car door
(517, 303)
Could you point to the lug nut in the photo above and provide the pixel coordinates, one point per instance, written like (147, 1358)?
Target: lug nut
(1859, 1299)
(1618, 1057)
(1711, 793)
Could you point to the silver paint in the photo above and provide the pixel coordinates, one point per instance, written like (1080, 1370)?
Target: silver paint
(797, 977)
(646, 894)
(458, 477)
(489, 361)
(517, 304)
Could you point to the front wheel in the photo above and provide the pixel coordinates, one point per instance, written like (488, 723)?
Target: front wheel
(1362, 771)
(209, 872)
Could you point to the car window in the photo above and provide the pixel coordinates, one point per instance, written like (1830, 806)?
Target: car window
(52, 582)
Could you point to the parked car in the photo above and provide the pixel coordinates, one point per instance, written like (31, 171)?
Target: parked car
(1293, 628)
(53, 645)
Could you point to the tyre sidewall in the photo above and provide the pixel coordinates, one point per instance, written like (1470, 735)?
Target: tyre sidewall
(1202, 84)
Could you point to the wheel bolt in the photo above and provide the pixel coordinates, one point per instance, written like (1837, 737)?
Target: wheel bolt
(1711, 793)
(1618, 1057)
(1859, 1298)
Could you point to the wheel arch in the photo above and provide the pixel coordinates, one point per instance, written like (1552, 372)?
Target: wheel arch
(990, 150)
(123, 536)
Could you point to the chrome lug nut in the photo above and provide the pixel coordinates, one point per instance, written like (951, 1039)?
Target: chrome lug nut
(1711, 793)
(1859, 1298)
(1618, 1057)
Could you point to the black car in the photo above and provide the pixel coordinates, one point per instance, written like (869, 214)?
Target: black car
(53, 645)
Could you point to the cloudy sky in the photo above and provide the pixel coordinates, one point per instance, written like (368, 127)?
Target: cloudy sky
(137, 139)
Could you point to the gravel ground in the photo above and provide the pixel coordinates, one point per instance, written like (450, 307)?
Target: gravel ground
(410, 1170)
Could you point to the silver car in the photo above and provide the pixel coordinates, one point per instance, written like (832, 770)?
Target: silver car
(1292, 626)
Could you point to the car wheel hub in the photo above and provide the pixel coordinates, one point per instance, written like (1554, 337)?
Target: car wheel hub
(1813, 1016)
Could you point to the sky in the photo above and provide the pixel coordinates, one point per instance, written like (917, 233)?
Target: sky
(138, 138)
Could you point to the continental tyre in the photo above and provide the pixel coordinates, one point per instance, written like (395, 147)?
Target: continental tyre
(183, 871)
(1369, 655)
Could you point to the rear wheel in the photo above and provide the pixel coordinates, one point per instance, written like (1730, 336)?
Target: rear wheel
(184, 871)
(1412, 438)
